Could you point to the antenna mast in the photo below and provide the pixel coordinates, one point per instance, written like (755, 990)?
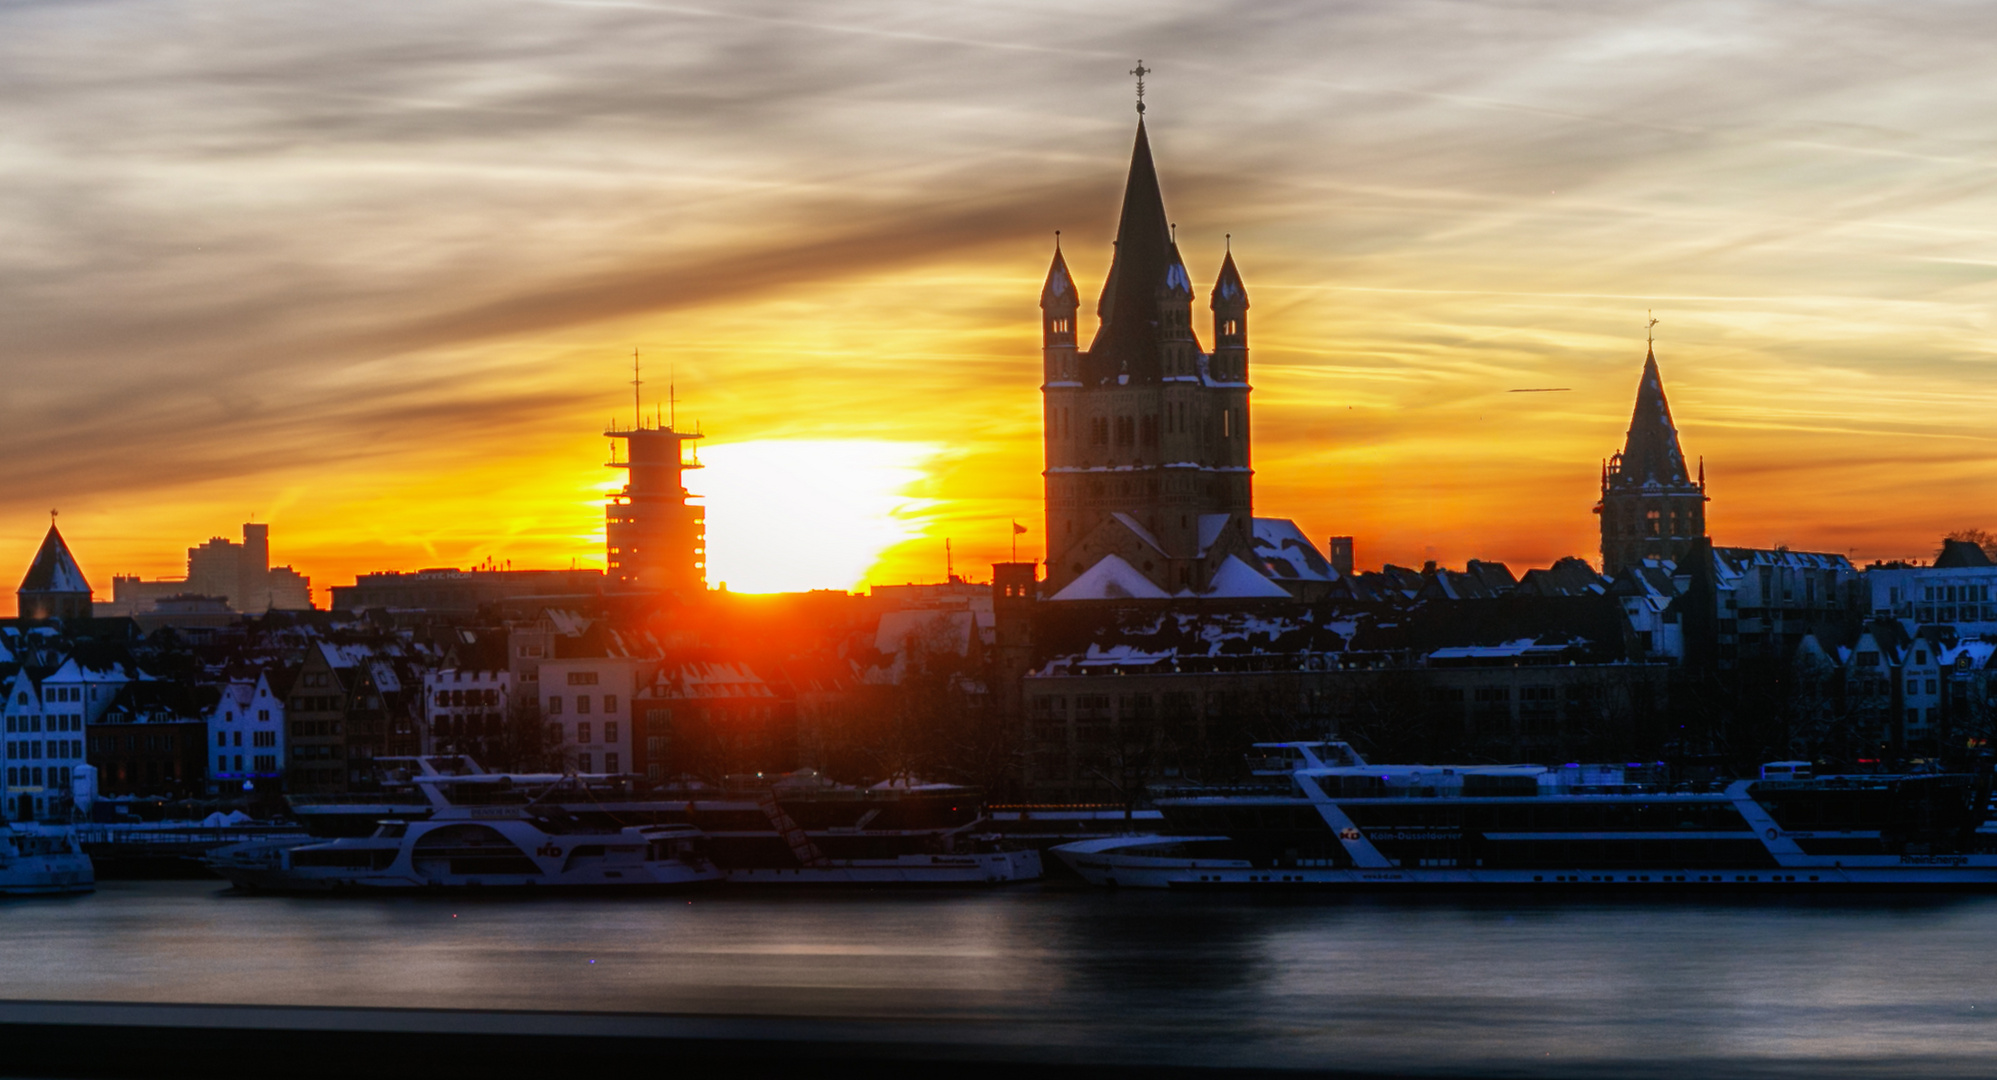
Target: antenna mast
(637, 409)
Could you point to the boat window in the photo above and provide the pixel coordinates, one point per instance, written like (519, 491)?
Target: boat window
(392, 830)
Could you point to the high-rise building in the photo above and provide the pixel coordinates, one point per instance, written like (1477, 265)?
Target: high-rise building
(1146, 434)
(657, 540)
(1651, 504)
(240, 574)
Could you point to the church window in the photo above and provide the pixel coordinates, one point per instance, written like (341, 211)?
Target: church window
(1126, 430)
(1651, 518)
(1099, 430)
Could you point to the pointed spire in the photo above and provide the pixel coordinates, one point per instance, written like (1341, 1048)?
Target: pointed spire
(1177, 282)
(1143, 250)
(1652, 452)
(54, 569)
(1228, 291)
(1059, 292)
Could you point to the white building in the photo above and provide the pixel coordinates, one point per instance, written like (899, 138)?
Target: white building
(586, 705)
(246, 734)
(44, 732)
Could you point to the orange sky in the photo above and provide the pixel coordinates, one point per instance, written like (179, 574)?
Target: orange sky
(374, 275)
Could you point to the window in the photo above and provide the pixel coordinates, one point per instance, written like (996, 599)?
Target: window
(582, 763)
(582, 732)
(610, 735)
(263, 716)
(555, 705)
(582, 704)
(1931, 686)
(610, 763)
(1913, 686)
(221, 763)
(554, 733)
(221, 738)
(610, 703)
(239, 738)
(239, 763)
(582, 678)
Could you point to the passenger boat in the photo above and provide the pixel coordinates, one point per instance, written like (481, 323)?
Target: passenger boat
(470, 841)
(1322, 818)
(43, 861)
(796, 828)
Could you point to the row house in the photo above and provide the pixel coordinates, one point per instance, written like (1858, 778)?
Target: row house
(709, 719)
(586, 709)
(246, 731)
(465, 711)
(153, 741)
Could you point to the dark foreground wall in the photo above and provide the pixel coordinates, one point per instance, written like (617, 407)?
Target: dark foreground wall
(226, 1042)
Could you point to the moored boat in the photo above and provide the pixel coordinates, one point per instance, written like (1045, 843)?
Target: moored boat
(1323, 818)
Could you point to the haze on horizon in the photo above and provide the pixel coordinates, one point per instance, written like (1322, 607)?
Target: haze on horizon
(373, 272)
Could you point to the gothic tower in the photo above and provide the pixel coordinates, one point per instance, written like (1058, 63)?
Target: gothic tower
(1146, 434)
(1651, 505)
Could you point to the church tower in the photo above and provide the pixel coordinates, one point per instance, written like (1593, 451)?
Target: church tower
(1145, 433)
(1651, 504)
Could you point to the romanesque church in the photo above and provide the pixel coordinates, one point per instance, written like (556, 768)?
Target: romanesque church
(1149, 481)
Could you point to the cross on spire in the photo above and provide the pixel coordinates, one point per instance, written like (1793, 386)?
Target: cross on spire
(1140, 71)
(1650, 330)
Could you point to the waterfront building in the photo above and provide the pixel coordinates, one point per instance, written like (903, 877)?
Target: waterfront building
(708, 719)
(586, 705)
(54, 587)
(465, 710)
(246, 731)
(152, 741)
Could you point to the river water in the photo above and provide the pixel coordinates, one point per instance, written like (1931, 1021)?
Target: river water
(1756, 986)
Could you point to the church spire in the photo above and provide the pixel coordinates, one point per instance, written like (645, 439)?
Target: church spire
(1651, 452)
(1127, 340)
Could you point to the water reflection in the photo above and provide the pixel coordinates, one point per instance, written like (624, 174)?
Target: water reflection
(1637, 988)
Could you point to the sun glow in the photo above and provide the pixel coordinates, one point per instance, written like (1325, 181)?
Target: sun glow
(787, 515)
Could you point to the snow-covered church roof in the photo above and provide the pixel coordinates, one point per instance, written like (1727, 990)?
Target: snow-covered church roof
(1238, 581)
(54, 569)
(1111, 579)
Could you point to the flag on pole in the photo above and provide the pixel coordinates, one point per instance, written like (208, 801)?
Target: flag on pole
(1018, 529)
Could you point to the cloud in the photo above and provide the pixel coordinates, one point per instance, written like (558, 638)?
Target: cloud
(276, 248)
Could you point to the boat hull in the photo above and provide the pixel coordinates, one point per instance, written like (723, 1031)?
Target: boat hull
(1110, 864)
(47, 875)
(986, 868)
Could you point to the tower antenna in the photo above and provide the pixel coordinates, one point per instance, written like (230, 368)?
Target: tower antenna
(1140, 71)
(637, 409)
(673, 397)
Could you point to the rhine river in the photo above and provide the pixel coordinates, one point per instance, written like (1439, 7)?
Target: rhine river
(1750, 987)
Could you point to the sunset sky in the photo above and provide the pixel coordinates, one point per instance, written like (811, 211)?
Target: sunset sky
(373, 272)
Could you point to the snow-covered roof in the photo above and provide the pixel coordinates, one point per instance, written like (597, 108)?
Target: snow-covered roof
(1111, 578)
(1288, 553)
(1237, 580)
(1138, 530)
(1210, 527)
(54, 569)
